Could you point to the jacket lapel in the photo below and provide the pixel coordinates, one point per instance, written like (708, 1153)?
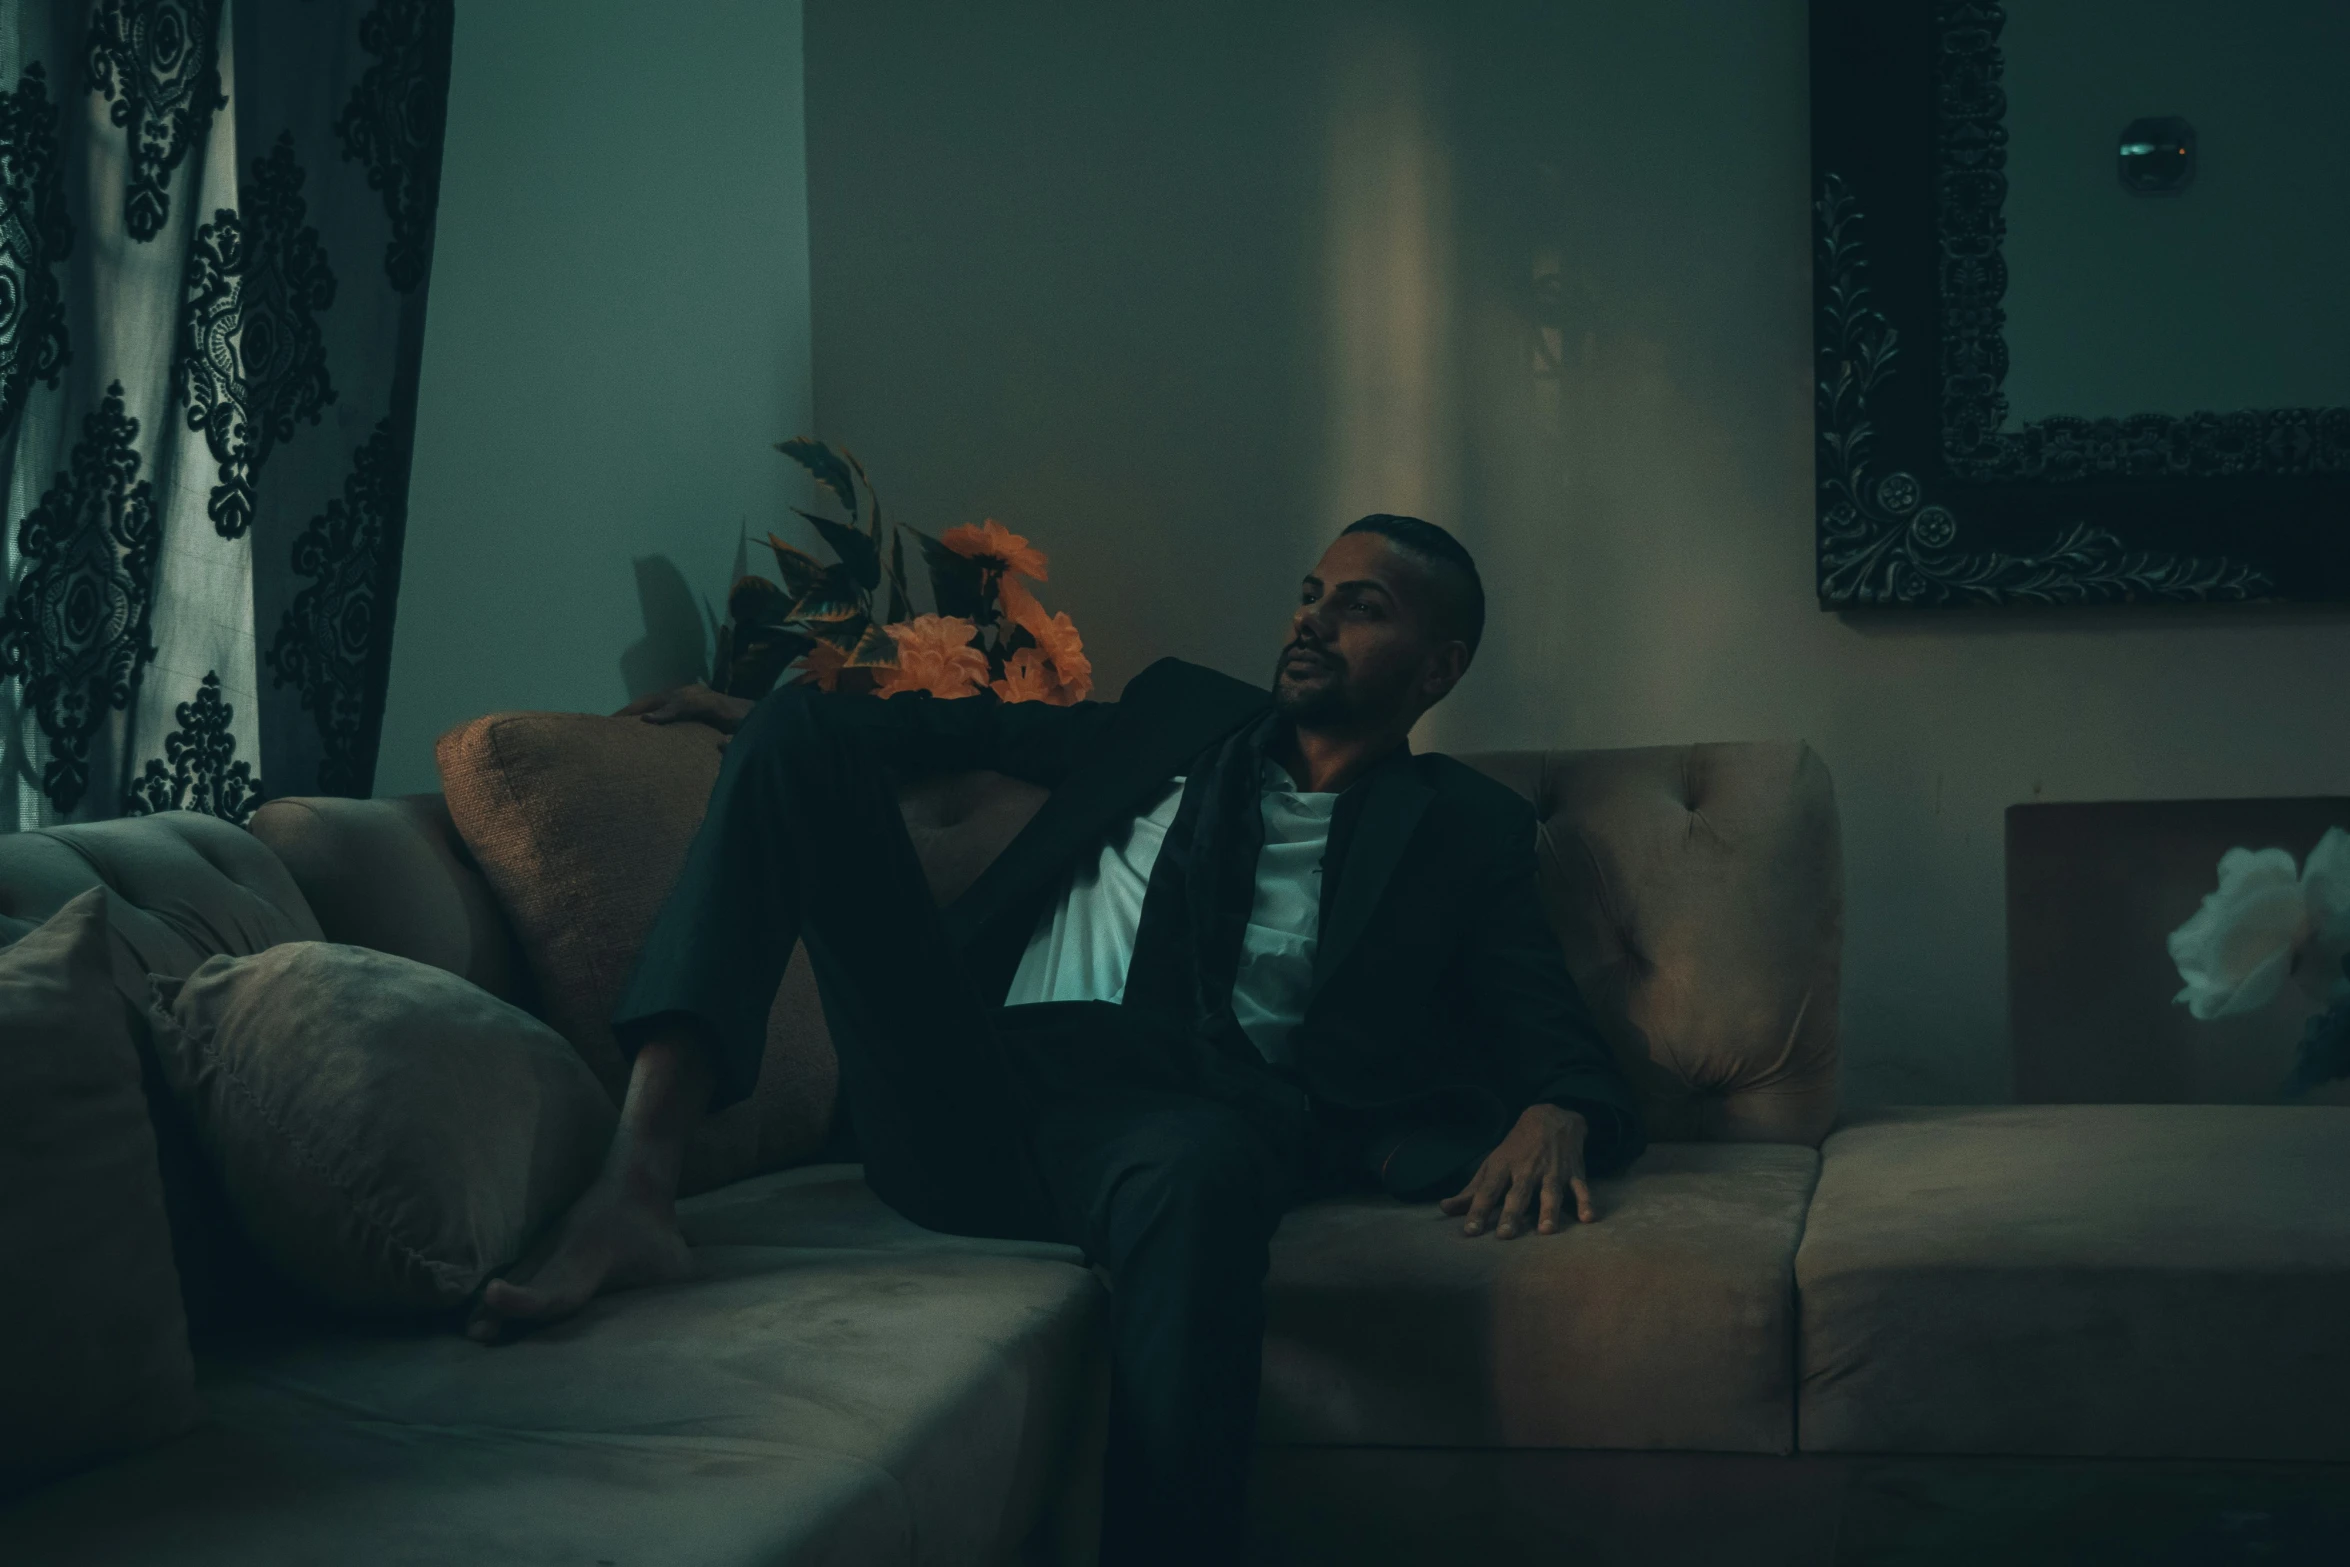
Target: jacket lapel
(1391, 813)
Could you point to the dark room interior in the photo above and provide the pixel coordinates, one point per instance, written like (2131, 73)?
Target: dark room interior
(898, 784)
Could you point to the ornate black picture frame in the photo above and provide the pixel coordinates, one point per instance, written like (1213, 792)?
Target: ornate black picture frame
(1928, 498)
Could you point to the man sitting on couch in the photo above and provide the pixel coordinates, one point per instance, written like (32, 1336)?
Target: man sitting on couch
(1251, 949)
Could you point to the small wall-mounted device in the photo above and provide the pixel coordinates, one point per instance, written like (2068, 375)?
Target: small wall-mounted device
(2157, 156)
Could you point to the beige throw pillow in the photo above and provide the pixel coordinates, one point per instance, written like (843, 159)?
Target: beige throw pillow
(390, 1134)
(93, 1345)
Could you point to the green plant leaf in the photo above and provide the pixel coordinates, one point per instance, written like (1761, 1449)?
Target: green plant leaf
(753, 652)
(713, 628)
(757, 601)
(755, 643)
(843, 634)
(876, 649)
(722, 661)
(834, 599)
(824, 466)
(801, 570)
(858, 553)
(872, 498)
(900, 605)
(957, 582)
(759, 662)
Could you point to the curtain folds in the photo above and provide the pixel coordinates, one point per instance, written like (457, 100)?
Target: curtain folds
(216, 222)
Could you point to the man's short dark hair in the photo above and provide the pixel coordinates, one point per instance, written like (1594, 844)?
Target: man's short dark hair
(1464, 611)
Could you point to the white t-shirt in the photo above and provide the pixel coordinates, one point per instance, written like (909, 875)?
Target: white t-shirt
(1083, 944)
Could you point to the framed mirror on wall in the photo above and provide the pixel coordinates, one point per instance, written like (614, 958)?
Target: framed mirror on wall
(2081, 301)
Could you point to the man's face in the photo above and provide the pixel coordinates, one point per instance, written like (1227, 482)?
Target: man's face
(1365, 647)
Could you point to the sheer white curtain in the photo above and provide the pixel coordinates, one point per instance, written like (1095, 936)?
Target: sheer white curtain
(215, 229)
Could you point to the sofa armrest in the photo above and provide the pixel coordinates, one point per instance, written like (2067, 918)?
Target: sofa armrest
(393, 875)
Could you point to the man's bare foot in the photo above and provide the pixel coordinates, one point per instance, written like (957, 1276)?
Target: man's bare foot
(623, 1230)
(622, 1233)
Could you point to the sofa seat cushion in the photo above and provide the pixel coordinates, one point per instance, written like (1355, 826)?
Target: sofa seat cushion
(825, 1206)
(1667, 1324)
(809, 1400)
(276, 1476)
(2081, 1281)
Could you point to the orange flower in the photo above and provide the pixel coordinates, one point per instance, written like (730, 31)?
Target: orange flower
(1028, 677)
(821, 665)
(1059, 641)
(992, 541)
(935, 655)
(1020, 606)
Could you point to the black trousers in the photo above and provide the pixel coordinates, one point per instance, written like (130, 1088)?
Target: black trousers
(1077, 1122)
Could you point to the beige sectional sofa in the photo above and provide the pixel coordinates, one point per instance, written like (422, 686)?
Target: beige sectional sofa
(1760, 1317)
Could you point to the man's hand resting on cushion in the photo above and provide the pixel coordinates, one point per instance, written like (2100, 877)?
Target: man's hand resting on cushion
(1540, 1162)
(696, 703)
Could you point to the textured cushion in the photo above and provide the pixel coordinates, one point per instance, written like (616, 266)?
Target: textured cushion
(1698, 892)
(93, 1347)
(389, 1134)
(1668, 1324)
(394, 875)
(580, 825)
(847, 1390)
(2081, 1280)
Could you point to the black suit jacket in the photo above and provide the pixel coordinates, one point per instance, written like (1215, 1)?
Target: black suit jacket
(1435, 968)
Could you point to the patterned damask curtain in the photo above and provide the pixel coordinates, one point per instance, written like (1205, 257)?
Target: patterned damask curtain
(216, 223)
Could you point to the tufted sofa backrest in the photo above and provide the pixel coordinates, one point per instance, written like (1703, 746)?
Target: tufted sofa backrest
(1698, 892)
(185, 887)
(392, 874)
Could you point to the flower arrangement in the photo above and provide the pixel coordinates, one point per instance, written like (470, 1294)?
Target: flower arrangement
(988, 632)
(2269, 922)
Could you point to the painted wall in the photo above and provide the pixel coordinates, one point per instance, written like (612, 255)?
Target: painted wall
(1178, 294)
(618, 332)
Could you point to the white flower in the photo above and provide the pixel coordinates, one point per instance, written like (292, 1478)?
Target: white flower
(2264, 924)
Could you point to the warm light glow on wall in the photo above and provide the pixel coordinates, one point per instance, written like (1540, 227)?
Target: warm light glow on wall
(1388, 284)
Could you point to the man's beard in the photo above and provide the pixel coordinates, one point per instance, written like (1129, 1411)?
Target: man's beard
(1321, 705)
